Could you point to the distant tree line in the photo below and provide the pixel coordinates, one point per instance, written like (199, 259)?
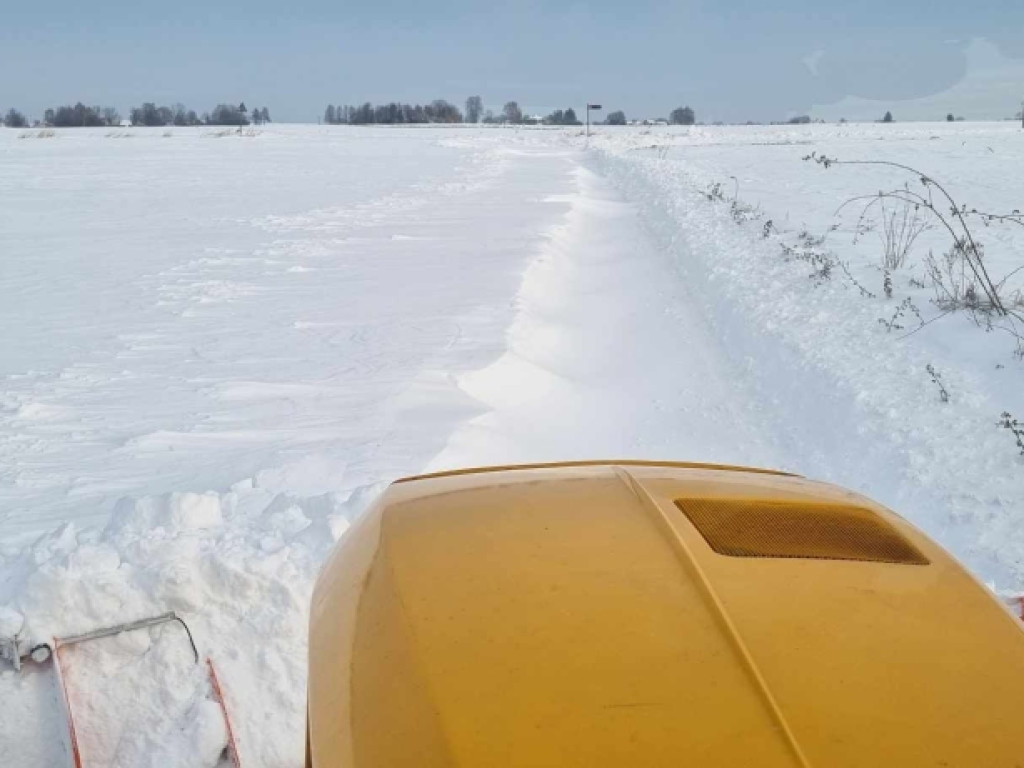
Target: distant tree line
(678, 116)
(440, 111)
(437, 111)
(560, 117)
(682, 116)
(14, 119)
(227, 114)
(149, 114)
(510, 113)
(81, 116)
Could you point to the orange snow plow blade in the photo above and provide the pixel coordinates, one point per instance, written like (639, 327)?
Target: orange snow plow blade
(611, 614)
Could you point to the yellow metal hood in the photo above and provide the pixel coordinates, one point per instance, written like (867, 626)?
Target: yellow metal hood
(576, 615)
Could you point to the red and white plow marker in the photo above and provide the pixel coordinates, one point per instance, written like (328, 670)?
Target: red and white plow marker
(61, 643)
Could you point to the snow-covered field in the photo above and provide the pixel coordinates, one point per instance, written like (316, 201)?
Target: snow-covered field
(219, 348)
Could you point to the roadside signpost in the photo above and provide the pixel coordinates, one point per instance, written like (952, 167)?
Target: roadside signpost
(590, 107)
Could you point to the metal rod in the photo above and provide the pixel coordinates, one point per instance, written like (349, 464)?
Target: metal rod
(129, 626)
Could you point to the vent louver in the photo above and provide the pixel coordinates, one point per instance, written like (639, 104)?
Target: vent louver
(810, 530)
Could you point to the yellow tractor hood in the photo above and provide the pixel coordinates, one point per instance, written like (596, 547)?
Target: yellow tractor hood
(627, 614)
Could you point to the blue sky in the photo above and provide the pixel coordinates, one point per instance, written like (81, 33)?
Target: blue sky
(732, 61)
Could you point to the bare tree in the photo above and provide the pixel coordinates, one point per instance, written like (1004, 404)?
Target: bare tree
(14, 119)
(474, 109)
(78, 116)
(437, 111)
(226, 114)
(682, 116)
(513, 114)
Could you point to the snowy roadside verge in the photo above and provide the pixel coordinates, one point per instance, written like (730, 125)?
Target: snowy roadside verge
(852, 405)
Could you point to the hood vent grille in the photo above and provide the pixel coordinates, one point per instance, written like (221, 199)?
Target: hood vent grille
(752, 528)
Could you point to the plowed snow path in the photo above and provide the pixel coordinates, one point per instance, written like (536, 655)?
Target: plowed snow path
(609, 356)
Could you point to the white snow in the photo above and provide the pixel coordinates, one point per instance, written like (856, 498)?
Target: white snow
(222, 348)
(607, 356)
(854, 403)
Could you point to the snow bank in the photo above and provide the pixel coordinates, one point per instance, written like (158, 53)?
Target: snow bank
(848, 401)
(607, 357)
(237, 566)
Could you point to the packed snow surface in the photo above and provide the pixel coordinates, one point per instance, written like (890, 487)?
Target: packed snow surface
(220, 348)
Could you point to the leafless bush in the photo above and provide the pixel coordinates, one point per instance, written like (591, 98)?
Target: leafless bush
(1015, 427)
(937, 379)
(853, 281)
(742, 212)
(248, 132)
(955, 287)
(901, 224)
(960, 277)
(950, 215)
(898, 224)
(44, 134)
(810, 241)
(821, 262)
(895, 323)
